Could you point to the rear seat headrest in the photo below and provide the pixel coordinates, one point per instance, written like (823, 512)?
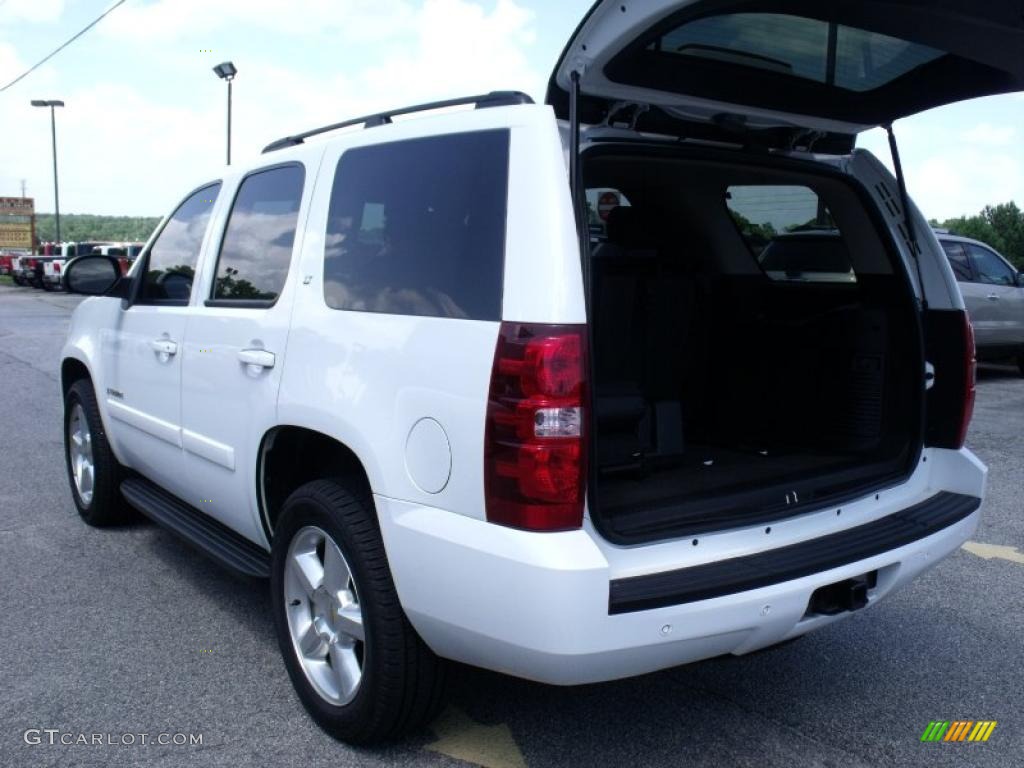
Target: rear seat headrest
(628, 227)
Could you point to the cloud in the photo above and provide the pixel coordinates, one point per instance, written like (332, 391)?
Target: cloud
(11, 64)
(991, 135)
(168, 20)
(137, 144)
(35, 11)
(946, 186)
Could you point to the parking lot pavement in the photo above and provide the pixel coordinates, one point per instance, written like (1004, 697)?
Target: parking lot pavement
(129, 631)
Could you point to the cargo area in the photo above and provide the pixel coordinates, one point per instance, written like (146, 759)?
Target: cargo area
(756, 351)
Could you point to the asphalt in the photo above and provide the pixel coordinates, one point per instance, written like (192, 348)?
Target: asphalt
(129, 631)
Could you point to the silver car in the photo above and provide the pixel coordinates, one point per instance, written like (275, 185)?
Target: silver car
(993, 291)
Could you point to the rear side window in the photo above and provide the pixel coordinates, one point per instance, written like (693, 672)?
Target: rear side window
(171, 265)
(257, 245)
(958, 261)
(790, 232)
(418, 227)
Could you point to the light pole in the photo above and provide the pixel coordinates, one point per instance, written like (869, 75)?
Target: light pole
(51, 103)
(227, 71)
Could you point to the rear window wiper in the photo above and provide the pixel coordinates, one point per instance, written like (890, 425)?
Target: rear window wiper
(730, 55)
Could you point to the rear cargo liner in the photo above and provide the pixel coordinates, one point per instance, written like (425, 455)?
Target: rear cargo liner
(739, 574)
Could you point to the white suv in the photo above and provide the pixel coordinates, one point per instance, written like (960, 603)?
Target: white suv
(400, 373)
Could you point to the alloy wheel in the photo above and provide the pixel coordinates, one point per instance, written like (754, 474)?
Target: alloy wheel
(325, 620)
(83, 470)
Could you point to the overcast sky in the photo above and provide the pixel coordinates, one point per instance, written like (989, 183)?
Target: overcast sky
(144, 120)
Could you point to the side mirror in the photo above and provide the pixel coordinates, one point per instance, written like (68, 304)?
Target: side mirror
(92, 275)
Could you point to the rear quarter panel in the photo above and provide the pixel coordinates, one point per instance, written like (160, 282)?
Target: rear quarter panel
(366, 379)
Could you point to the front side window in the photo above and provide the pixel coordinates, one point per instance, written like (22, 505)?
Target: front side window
(171, 263)
(958, 261)
(990, 268)
(417, 227)
(257, 246)
(791, 233)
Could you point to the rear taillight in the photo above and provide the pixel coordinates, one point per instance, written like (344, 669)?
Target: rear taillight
(950, 400)
(534, 447)
(970, 381)
(56, 267)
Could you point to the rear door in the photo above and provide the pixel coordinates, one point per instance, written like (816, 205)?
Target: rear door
(997, 280)
(142, 353)
(234, 350)
(979, 308)
(836, 67)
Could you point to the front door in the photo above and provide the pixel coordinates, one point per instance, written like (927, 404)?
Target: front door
(142, 353)
(235, 344)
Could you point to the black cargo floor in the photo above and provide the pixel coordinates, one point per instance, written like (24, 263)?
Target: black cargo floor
(706, 471)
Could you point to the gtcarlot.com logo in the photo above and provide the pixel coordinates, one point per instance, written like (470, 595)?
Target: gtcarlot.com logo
(958, 730)
(55, 736)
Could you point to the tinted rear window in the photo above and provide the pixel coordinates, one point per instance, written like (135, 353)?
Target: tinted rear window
(838, 55)
(418, 227)
(790, 232)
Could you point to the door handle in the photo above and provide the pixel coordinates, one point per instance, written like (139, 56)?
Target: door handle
(258, 358)
(164, 347)
(992, 297)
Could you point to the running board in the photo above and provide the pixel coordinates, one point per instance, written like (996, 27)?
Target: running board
(212, 537)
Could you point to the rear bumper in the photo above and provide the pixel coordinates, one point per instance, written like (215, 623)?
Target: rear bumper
(540, 606)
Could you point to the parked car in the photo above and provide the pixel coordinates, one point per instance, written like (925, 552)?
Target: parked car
(28, 270)
(16, 270)
(6, 263)
(389, 372)
(993, 291)
(814, 255)
(126, 253)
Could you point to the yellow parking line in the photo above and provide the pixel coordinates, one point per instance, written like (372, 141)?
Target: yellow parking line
(490, 746)
(990, 551)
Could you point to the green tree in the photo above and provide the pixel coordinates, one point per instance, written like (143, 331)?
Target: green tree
(1000, 226)
(84, 227)
(1007, 221)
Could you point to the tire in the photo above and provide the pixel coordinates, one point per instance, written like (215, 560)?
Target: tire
(1020, 363)
(47, 287)
(96, 493)
(397, 685)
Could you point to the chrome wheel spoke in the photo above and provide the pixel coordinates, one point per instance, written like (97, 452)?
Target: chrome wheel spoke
(310, 643)
(347, 672)
(309, 571)
(350, 619)
(87, 478)
(336, 573)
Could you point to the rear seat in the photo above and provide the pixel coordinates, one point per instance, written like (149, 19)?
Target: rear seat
(619, 268)
(635, 300)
